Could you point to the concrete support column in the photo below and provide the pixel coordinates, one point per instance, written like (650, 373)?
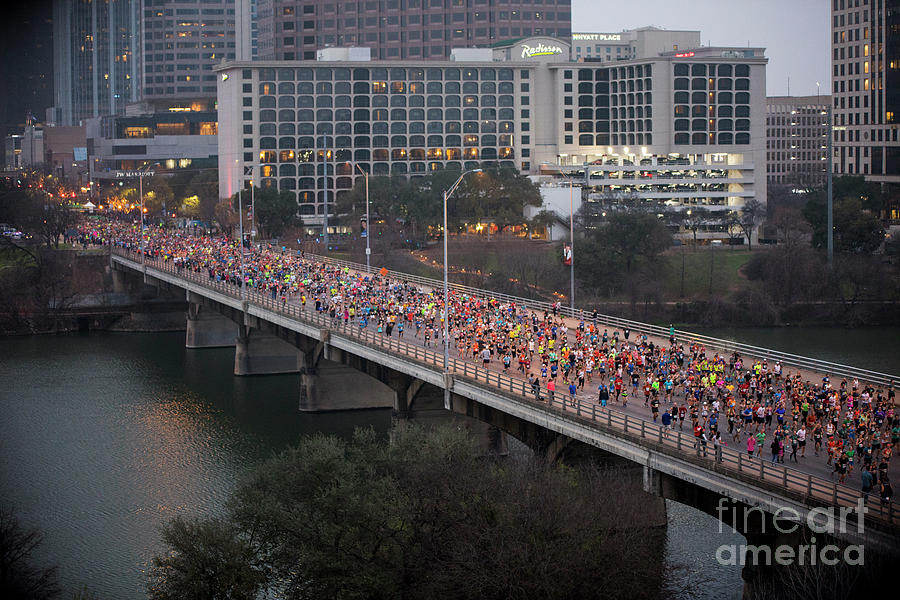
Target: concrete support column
(327, 385)
(260, 353)
(208, 329)
(119, 284)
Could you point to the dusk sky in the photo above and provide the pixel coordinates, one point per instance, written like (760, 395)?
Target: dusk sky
(795, 33)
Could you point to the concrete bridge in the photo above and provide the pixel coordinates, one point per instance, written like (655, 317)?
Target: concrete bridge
(343, 367)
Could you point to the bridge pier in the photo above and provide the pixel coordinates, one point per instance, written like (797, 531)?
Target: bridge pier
(333, 386)
(259, 353)
(119, 282)
(208, 329)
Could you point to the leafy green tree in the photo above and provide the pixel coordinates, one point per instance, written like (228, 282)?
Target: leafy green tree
(499, 196)
(158, 194)
(423, 517)
(275, 210)
(857, 228)
(205, 186)
(208, 559)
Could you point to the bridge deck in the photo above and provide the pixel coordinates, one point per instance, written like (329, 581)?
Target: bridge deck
(802, 483)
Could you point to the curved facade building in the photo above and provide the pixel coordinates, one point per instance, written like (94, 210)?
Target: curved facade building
(686, 128)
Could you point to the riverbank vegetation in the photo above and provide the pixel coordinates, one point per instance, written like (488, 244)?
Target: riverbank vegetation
(420, 517)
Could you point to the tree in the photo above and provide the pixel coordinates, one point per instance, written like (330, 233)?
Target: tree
(205, 186)
(544, 220)
(499, 196)
(752, 214)
(856, 228)
(208, 559)
(158, 196)
(275, 210)
(632, 235)
(20, 578)
(423, 515)
(693, 219)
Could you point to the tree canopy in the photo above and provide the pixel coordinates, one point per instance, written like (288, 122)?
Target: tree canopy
(857, 228)
(275, 210)
(420, 517)
(416, 204)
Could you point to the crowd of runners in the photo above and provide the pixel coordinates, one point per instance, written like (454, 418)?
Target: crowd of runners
(723, 399)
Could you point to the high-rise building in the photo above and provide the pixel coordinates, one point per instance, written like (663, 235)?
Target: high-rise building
(866, 93)
(95, 52)
(682, 128)
(182, 41)
(403, 29)
(866, 88)
(796, 146)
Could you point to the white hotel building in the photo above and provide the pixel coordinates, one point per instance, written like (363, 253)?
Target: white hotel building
(685, 127)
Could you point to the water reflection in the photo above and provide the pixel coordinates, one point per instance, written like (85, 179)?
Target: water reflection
(104, 438)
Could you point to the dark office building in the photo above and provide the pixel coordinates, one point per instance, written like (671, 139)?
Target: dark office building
(403, 29)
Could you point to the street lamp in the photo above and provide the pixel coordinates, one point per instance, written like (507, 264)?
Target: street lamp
(241, 244)
(571, 241)
(368, 249)
(447, 194)
(141, 173)
(325, 167)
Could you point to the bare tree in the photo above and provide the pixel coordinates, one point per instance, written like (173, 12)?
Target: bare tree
(752, 215)
(19, 576)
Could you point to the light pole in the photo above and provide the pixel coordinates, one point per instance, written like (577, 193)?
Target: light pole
(325, 169)
(241, 244)
(252, 207)
(447, 194)
(571, 241)
(141, 173)
(368, 249)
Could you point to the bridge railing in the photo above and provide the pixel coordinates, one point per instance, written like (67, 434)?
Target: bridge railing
(747, 350)
(803, 487)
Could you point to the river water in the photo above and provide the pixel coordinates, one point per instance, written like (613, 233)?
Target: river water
(104, 438)
(873, 348)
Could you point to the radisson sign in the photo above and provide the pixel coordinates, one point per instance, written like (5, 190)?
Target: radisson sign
(539, 50)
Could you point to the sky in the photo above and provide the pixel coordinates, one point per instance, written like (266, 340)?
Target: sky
(795, 33)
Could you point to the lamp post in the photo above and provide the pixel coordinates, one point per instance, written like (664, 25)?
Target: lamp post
(571, 241)
(325, 168)
(252, 207)
(141, 174)
(368, 249)
(447, 194)
(241, 245)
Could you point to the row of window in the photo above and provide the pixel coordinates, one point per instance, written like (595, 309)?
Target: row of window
(382, 87)
(712, 97)
(699, 110)
(605, 139)
(702, 83)
(702, 70)
(382, 102)
(384, 73)
(604, 87)
(382, 141)
(607, 73)
(700, 138)
(364, 115)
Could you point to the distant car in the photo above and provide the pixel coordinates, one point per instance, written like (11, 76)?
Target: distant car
(10, 232)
